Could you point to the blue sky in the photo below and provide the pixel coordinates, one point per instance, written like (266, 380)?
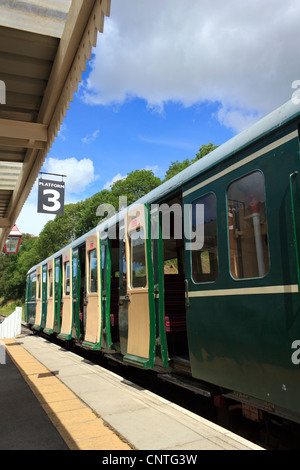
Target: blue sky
(163, 81)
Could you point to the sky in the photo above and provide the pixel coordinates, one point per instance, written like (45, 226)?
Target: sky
(166, 77)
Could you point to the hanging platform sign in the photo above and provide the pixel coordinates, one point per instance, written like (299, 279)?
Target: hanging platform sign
(51, 196)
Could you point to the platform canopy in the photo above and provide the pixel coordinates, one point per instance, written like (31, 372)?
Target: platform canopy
(44, 48)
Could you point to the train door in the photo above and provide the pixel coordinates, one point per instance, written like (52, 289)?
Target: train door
(44, 295)
(169, 282)
(110, 279)
(58, 295)
(115, 281)
(123, 297)
(38, 297)
(76, 293)
(79, 293)
(227, 266)
(31, 299)
(141, 315)
(67, 300)
(50, 297)
(92, 337)
(105, 292)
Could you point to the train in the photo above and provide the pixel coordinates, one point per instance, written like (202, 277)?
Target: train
(198, 281)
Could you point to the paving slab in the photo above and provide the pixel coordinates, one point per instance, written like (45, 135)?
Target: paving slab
(142, 419)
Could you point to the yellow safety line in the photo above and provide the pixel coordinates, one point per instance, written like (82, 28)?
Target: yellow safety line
(78, 425)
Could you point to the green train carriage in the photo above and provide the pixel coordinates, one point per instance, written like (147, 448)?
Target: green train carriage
(221, 317)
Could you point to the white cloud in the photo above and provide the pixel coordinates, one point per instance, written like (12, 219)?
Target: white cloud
(114, 179)
(242, 55)
(91, 137)
(236, 118)
(79, 173)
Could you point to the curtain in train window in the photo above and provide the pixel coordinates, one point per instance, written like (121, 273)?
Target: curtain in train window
(138, 259)
(205, 260)
(247, 227)
(93, 271)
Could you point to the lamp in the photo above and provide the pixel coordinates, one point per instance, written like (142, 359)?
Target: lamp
(13, 242)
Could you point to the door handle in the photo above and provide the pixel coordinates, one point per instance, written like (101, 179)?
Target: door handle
(124, 297)
(186, 285)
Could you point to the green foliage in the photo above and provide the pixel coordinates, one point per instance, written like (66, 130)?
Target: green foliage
(177, 167)
(77, 220)
(13, 269)
(137, 184)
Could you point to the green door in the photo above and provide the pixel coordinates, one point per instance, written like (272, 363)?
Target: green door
(140, 289)
(105, 246)
(58, 286)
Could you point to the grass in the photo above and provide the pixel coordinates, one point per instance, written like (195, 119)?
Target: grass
(9, 308)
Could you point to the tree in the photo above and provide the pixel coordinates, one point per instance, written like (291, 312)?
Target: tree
(204, 150)
(177, 167)
(137, 184)
(13, 269)
(59, 232)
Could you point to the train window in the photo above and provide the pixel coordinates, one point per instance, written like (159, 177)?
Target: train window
(50, 277)
(205, 260)
(74, 272)
(138, 259)
(39, 286)
(93, 271)
(247, 227)
(67, 277)
(56, 281)
(44, 293)
(33, 285)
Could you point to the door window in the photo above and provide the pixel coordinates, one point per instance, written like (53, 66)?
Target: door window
(67, 277)
(93, 271)
(205, 260)
(50, 281)
(138, 259)
(247, 227)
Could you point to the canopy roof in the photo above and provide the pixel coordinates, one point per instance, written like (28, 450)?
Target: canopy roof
(44, 47)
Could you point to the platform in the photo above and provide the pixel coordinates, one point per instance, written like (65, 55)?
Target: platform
(93, 408)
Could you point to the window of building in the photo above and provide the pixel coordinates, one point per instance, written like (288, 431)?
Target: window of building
(247, 227)
(205, 260)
